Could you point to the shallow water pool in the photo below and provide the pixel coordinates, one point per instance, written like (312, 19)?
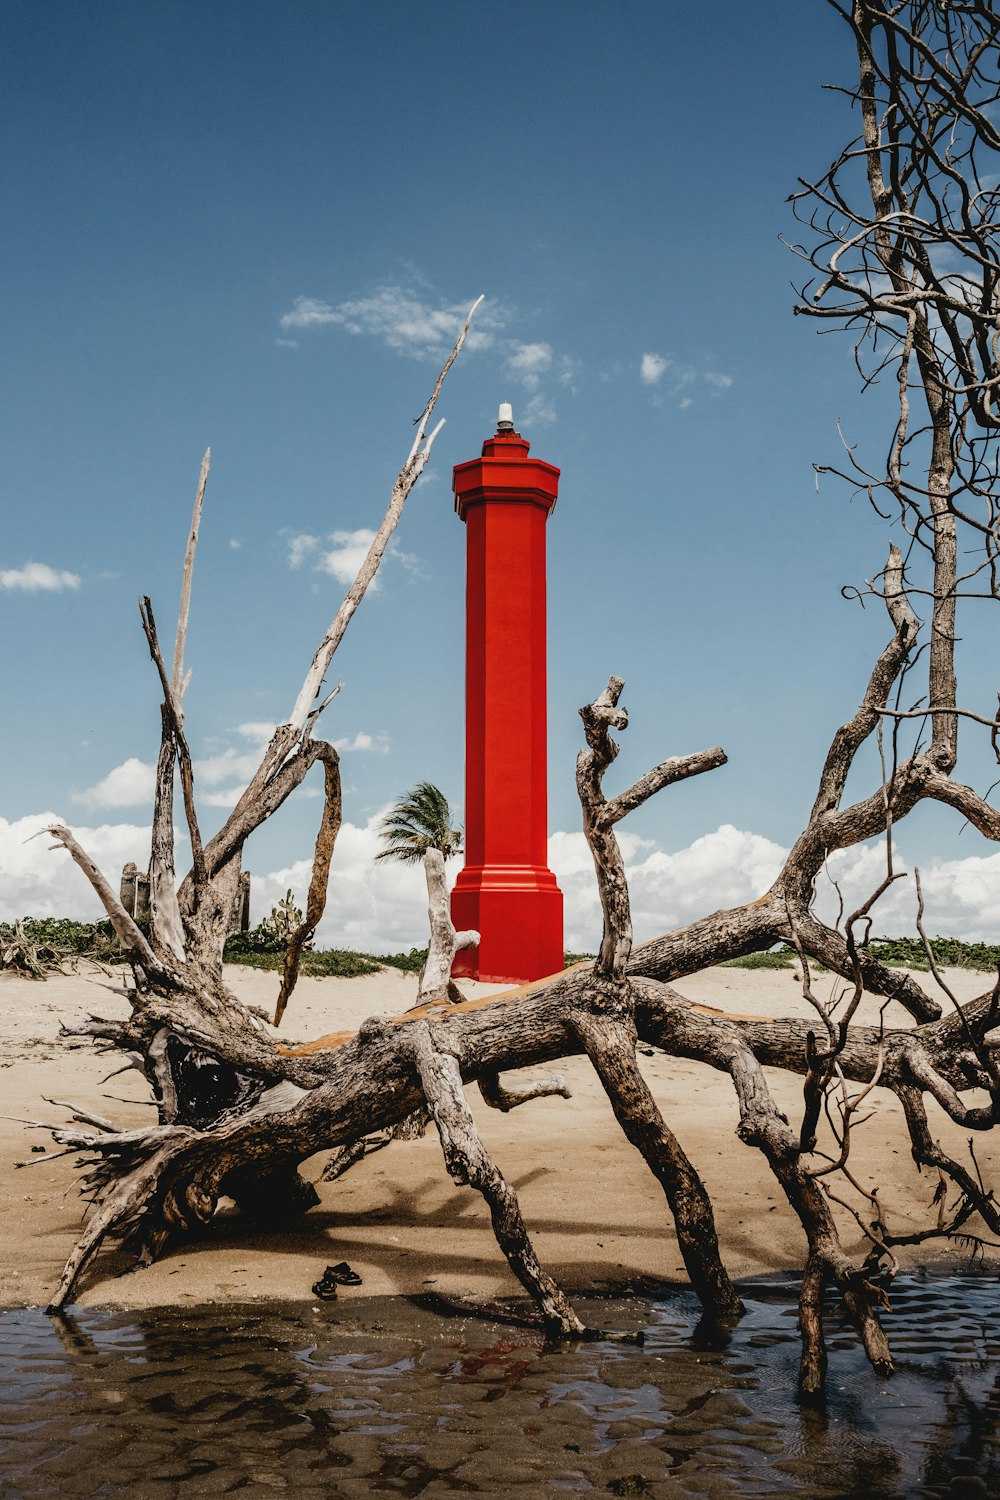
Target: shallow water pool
(381, 1397)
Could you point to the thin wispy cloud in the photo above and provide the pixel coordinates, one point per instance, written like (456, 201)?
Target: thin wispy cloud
(400, 317)
(301, 546)
(673, 381)
(539, 411)
(349, 550)
(411, 322)
(536, 367)
(567, 369)
(36, 577)
(257, 731)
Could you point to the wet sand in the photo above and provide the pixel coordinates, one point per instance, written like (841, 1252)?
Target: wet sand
(597, 1218)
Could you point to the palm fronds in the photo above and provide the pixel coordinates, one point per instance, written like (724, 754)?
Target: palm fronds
(419, 821)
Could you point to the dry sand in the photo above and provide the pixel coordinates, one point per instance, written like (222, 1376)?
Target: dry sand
(597, 1217)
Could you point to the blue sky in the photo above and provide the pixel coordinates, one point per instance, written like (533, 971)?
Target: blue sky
(252, 227)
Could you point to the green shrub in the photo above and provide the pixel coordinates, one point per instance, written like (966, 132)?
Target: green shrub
(775, 958)
(895, 953)
(36, 945)
(336, 963)
(410, 963)
(909, 953)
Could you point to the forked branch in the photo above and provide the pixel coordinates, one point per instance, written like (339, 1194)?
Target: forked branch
(435, 982)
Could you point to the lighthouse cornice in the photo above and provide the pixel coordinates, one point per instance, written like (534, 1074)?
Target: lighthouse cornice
(502, 479)
(487, 494)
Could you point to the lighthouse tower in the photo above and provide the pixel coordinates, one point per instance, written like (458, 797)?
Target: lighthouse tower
(506, 891)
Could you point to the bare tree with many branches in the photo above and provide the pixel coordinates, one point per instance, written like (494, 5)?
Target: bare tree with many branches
(902, 234)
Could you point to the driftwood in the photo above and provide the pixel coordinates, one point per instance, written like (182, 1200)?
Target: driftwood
(239, 1111)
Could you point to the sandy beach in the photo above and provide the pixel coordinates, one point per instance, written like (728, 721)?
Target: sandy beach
(598, 1219)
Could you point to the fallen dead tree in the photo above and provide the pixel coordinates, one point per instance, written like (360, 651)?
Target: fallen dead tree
(239, 1111)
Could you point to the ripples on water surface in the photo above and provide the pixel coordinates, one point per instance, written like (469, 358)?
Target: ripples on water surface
(392, 1399)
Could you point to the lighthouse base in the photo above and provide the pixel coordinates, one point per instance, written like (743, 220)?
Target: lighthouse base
(518, 912)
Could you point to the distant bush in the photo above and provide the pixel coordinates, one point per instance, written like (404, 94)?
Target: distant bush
(36, 945)
(336, 963)
(895, 953)
(409, 963)
(266, 952)
(909, 953)
(779, 958)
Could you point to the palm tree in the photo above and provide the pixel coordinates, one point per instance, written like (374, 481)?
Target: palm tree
(420, 820)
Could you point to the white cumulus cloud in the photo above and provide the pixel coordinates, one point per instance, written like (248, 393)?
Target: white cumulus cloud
(361, 741)
(528, 362)
(381, 907)
(349, 550)
(129, 785)
(36, 577)
(39, 881)
(375, 907)
(133, 782)
(344, 558)
(961, 896)
(652, 368)
(219, 779)
(719, 869)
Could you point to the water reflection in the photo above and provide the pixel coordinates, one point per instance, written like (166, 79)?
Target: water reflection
(377, 1397)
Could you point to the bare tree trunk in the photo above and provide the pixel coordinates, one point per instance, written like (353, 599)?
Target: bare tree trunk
(435, 981)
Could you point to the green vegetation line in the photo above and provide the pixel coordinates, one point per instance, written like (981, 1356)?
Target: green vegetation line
(35, 946)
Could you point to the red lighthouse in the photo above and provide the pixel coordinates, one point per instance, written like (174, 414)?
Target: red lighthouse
(506, 891)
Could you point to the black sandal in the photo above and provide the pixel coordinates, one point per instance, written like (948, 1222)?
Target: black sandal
(343, 1274)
